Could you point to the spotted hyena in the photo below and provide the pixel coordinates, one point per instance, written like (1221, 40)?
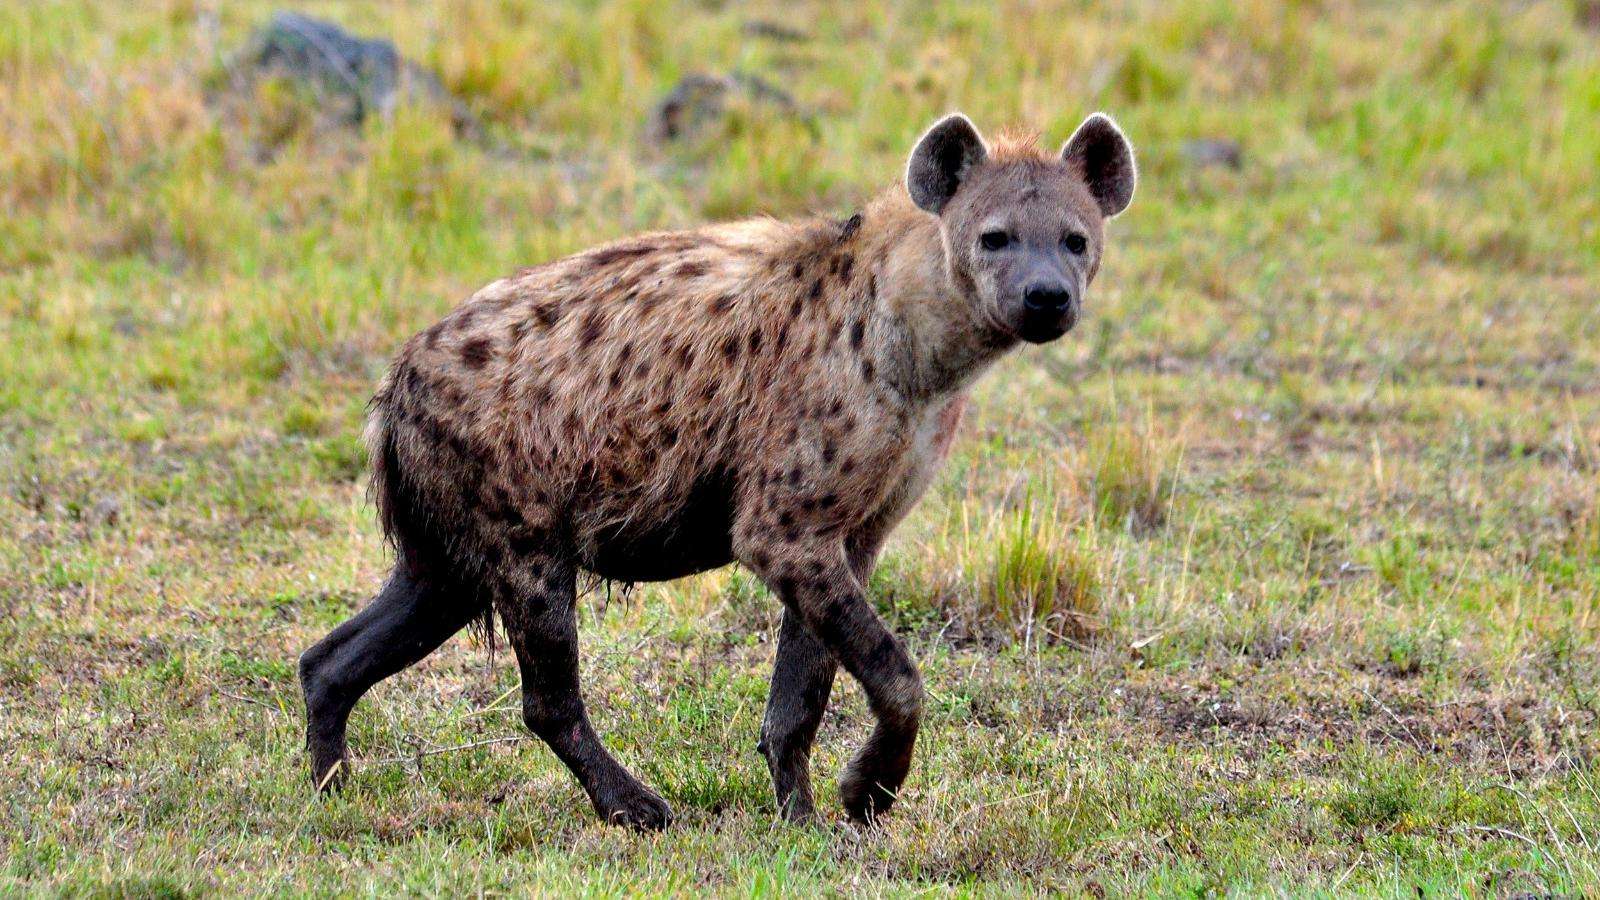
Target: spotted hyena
(773, 393)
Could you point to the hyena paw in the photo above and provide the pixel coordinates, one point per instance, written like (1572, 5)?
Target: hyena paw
(329, 769)
(864, 797)
(634, 806)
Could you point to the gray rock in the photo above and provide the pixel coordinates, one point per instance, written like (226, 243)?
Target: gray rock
(1203, 152)
(774, 31)
(357, 77)
(106, 512)
(700, 98)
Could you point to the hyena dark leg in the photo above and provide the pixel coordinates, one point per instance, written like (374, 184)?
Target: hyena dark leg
(816, 582)
(538, 607)
(406, 621)
(802, 681)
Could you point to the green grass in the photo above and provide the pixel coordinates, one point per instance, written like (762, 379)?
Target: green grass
(1281, 574)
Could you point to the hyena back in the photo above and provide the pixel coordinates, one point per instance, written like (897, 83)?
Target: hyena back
(776, 394)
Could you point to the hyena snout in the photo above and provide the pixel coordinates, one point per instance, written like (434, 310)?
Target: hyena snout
(1049, 310)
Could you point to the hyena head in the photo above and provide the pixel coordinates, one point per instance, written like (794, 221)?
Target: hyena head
(1022, 229)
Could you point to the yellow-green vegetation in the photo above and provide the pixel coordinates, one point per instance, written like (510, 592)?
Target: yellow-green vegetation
(1279, 574)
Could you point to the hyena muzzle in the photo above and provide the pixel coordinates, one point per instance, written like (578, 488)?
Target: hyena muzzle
(776, 394)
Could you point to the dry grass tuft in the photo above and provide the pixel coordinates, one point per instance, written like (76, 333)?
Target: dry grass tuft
(1133, 473)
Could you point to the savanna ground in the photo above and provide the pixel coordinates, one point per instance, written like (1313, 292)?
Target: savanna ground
(1280, 574)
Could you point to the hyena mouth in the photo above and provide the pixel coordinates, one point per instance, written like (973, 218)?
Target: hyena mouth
(1044, 326)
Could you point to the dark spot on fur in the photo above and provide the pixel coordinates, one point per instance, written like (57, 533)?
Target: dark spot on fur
(850, 227)
(795, 307)
(816, 288)
(846, 263)
(593, 324)
(799, 271)
(755, 340)
(829, 451)
(828, 501)
(608, 255)
(691, 269)
(722, 304)
(518, 330)
(730, 347)
(858, 332)
(884, 656)
(430, 338)
(548, 314)
(475, 353)
(846, 466)
(868, 370)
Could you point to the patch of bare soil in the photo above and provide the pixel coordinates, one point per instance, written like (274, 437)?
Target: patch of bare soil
(1519, 731)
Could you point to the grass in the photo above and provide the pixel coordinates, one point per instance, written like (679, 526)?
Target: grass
(1316, 481)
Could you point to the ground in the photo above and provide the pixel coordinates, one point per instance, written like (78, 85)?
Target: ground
(1282, 573)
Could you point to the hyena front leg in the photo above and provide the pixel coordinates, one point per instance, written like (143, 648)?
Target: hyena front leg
(802, 681)
(538, 607)
(816, 583)
(408, 619)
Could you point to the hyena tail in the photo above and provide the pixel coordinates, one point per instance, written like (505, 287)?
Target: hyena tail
(409, 526)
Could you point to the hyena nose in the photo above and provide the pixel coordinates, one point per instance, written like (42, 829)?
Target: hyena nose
(1047, 297)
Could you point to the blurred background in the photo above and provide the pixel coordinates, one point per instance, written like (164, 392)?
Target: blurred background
(1282, 571)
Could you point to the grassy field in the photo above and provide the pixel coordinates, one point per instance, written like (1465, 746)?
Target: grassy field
(1281, 574)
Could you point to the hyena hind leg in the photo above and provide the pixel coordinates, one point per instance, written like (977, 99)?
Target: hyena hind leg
(538, 607)
(406, 621)
(802, 680)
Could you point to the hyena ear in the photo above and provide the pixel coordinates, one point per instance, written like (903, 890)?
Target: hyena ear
(1102, 155)
(941, 159)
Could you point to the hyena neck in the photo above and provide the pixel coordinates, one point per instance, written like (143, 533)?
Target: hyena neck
(928, 334)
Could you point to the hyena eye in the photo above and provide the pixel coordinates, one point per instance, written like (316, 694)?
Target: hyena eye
(1075, 243)
(994, 240)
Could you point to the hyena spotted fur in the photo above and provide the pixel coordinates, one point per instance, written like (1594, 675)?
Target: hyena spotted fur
(773, 393)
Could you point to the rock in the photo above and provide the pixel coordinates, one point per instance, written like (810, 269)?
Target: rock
(700, 98)
(1587, 13)
(356, 77)
(774, 31)
(1204, 152)
(106, 512)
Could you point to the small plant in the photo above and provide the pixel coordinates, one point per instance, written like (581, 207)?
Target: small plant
(1416, 651)
(1133, 475)
(1377, 800)
(1041, 580)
